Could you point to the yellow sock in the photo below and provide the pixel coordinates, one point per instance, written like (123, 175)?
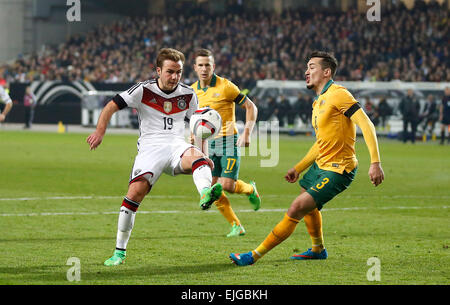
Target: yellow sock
(313, 222)
(224, 206)
(282, 230)
(240, 187)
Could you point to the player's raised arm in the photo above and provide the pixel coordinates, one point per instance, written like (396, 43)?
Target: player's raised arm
(96, 137)
(376, 173)
(251, 113)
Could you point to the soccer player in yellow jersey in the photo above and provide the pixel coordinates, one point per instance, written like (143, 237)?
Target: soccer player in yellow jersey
(331, 160)
(222, 95)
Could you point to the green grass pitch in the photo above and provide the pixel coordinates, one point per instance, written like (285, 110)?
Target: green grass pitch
(60, 200)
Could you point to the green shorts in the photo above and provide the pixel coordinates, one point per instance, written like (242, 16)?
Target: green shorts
(324, 185)
(226, 157)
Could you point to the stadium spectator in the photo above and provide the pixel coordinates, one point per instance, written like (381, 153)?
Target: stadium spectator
(303, 107)
(29, 101)
(371, 111)
(429, 115)
(284, 111)
(270, 109)
(444, 115)
(409, 108)
(400, 47)
(384, 112)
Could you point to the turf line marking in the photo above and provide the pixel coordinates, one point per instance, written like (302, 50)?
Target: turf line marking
(185, 196)
(213, 212)
(84, 197)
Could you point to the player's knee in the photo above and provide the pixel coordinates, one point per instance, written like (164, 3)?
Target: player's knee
(301, 206)
(193, 154)
(138, 189)
(228, 186)
(191, 157)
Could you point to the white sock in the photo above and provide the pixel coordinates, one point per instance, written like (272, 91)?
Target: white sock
(124, 227)
(201, 173)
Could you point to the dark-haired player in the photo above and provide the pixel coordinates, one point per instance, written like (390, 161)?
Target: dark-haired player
(163, 105)
(331, 160)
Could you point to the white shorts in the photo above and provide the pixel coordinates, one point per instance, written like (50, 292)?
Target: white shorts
(152, 160)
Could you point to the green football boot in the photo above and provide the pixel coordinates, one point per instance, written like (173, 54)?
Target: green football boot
(117, 259)
(209, 195)
(236, 230)
(254, 198)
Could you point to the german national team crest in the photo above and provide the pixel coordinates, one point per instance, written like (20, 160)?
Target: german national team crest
(167, 106)
(181, 104)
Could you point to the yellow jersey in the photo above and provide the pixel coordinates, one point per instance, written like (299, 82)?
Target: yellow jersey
(335, 132)
(221, 95)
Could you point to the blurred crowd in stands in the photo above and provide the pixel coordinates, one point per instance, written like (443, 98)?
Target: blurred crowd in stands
(407, 45)
(417, 118)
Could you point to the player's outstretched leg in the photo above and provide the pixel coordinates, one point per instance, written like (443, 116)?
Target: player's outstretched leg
(202, 176)
(279, 233)
(301, 206)
(209, 195)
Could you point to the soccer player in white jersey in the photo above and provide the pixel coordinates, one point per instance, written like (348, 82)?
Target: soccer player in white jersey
(163, 105)
(4, 98)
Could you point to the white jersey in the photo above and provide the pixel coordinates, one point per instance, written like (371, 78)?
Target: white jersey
(4, 97)
(162, 116)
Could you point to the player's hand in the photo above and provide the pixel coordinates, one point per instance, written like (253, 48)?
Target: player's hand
(2, 117)
(94, 139)
(243, 140)
(291, 176)
(191, 139)
(376, 173)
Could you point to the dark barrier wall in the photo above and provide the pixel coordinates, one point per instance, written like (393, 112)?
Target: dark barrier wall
(68, 113)
(61, 101)
(57, 101)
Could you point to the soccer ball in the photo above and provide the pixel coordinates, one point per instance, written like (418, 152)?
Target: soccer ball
(205, 123)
